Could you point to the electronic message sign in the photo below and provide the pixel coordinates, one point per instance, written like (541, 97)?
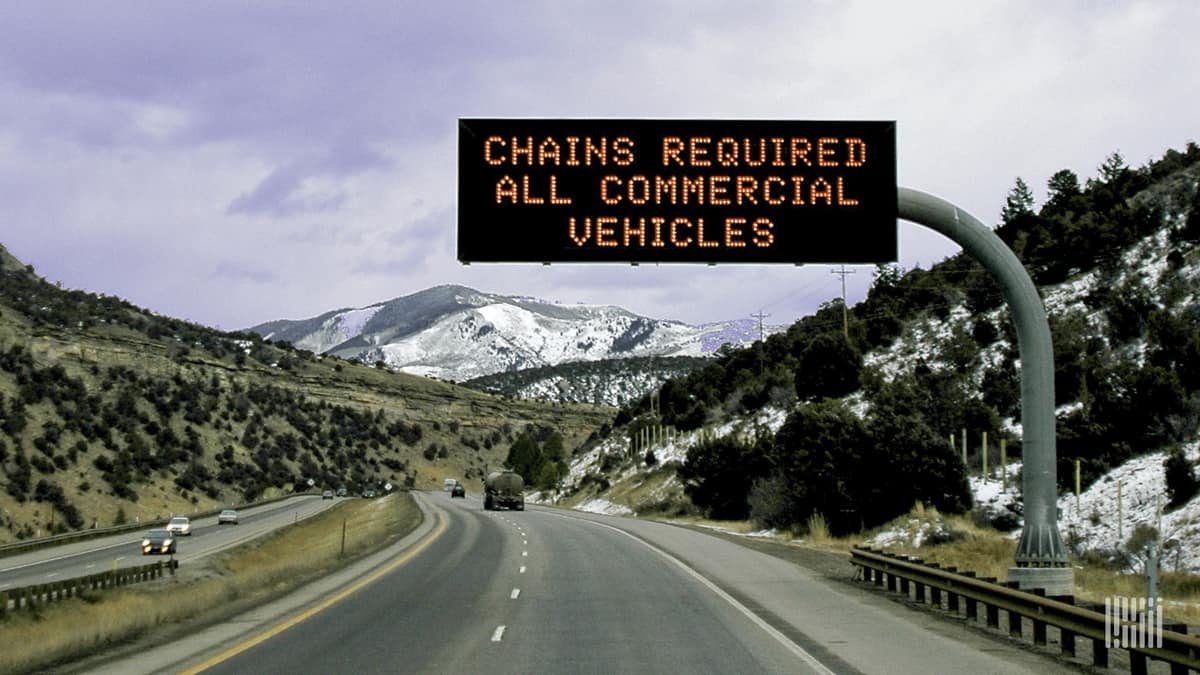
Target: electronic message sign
(698, 191)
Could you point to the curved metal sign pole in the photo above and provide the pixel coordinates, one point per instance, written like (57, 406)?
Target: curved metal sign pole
(1041, 559)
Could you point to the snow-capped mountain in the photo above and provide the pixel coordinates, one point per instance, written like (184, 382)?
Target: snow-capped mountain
(458, 333)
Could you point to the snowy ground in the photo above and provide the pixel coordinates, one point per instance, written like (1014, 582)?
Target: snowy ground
(1093, 522)
(1100, 519)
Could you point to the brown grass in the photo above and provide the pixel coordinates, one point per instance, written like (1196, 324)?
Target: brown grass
(256, 572)
(989, 553)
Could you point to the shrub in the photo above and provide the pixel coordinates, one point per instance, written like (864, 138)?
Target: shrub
(1182, 484)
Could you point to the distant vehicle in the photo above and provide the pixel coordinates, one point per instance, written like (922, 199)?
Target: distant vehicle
(227, 516)
(328, 494)
(368, 494)
(158, 542)
(341, 492)
(504, 488)
(458, 490)
(448, 484)
(181, 526)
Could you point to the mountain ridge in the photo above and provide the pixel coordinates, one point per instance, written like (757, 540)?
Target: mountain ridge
(458, 333)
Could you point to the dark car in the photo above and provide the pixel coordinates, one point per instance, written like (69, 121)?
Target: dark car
(341, 492)
(158, 542)
(328, 494)
(458, 490)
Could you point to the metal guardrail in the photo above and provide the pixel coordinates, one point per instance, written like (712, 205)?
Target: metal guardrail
(911, 577)
(30, 597)
(94, 533)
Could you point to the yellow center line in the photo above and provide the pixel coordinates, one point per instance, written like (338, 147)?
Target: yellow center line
(322, 606)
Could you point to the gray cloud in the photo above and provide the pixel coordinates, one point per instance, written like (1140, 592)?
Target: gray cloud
(297, 158)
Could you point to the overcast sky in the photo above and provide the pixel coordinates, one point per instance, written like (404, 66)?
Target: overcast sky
(232, 163)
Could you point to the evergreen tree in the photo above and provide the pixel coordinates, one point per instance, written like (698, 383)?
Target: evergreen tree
(1182, 484)
(1019, 203)
(1063, 185)
(718, 473)
(829, 367)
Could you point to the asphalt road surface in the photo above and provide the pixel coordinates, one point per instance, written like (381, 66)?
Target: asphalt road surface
(554, 591)
(124, 550)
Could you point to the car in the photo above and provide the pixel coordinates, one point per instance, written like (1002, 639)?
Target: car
(159, 542)
(448, 484)
(368, 494)
(180, 526)
(227, 516)
(328, 494)
(458, 490)
(341, 492)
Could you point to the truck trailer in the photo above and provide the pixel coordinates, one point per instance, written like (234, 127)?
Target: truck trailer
(504, 489)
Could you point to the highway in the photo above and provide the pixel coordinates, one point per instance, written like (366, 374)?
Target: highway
(555, 591)
(124, 550)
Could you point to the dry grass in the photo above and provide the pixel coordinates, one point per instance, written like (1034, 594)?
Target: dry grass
(989, 553)
(253, 573)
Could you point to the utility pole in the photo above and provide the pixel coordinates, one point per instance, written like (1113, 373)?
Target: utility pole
(842, 272)
(761, 338)
(760, 316)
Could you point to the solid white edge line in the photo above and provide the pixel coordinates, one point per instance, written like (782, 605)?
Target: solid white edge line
(754, 618)
(498, 634)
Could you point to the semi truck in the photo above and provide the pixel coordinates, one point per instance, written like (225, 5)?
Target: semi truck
(504, 489)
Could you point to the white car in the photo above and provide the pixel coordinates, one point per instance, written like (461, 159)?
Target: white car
(181, 526)
(227, 516)
(448, 484)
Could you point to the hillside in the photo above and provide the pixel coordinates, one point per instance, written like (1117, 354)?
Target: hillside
(611, 382)
(109, 412)
(457, 333)
(852, 426)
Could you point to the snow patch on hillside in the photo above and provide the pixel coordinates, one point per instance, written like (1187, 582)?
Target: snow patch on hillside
(337, 329)
(1093, 522)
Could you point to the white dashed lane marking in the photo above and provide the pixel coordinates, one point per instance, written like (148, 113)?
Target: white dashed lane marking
(498, 634)
(522, 569)
(516, 593)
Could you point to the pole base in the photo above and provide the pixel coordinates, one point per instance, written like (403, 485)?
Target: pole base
(1054, 580)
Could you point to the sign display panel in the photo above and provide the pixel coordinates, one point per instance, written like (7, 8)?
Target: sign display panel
(688, 191)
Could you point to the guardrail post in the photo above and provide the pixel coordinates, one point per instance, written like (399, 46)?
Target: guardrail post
(1099, 654)
(1014, 624)
(919, 591)
(1067, 639)
(904, 586)
(1137, 663)
(993, 616)
(935, 596)
(1176, 668)
(952, 601)
(891, 582)
(3, 603)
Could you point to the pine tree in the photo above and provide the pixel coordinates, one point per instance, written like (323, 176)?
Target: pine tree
(1113, 167)
(1019, 202)
(1182, 484)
